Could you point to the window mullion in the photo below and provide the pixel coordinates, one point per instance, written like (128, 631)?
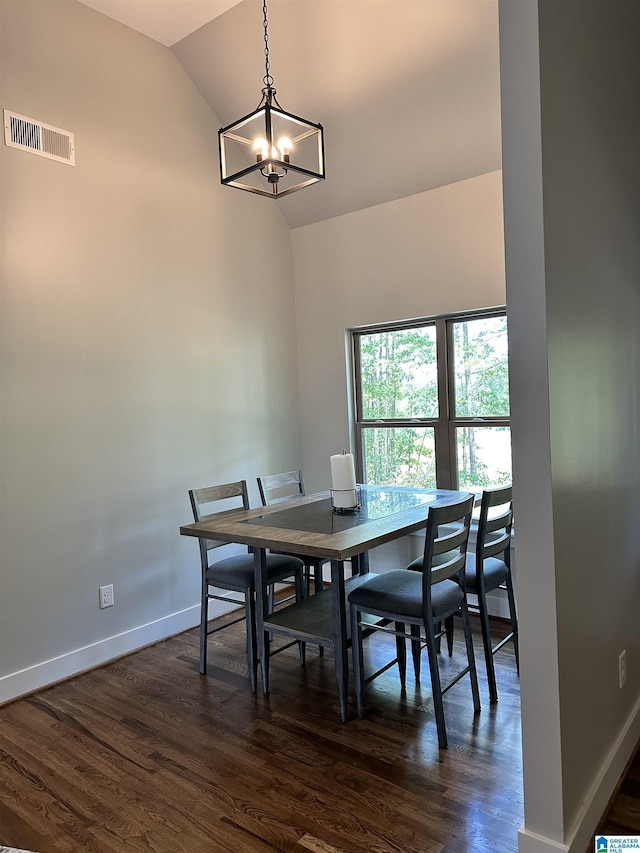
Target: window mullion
(357, 435)
(442, 433)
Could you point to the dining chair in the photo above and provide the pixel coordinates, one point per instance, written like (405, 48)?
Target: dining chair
(493, 557)
(236, 573)
(423, 600)
(277, 488)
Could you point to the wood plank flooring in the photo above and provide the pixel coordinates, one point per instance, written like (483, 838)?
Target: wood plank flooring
(623, 816)
(144, 754)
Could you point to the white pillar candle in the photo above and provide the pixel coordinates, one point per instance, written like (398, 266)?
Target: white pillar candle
(343, 480)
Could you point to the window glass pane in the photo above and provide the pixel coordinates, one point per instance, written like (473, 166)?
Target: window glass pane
(399, 456)
(484, 457)
(399, 374)
(481, 369)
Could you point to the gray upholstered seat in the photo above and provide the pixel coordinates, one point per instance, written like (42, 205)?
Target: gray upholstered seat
(400, 591)
(236, 574)
(495, 573)
(423, 600)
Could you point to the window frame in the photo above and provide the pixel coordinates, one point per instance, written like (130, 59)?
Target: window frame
(447, 422)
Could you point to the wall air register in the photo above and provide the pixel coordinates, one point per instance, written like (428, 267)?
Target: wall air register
(35, 136)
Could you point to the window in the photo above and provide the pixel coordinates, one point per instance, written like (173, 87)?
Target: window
(432, 402)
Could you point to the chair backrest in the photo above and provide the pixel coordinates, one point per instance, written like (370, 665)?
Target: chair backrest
(204, 498)
(445, 547)
(494, 525)
(275, 488)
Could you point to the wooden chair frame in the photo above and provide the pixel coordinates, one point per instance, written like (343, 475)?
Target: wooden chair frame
(278, 488)
(494, 540)
(447, 532)
(198, 499)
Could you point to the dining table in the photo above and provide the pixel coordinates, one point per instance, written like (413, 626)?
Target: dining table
(311, 526)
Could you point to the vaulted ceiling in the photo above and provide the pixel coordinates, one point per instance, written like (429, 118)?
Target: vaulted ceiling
(407, 90)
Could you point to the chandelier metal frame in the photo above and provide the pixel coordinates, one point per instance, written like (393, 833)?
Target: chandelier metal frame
(270, 151)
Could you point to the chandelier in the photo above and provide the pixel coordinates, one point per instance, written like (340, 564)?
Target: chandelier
(270, 151)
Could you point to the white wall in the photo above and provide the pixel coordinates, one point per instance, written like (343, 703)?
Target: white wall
(147, 342)
(428, 254)
(571, 134)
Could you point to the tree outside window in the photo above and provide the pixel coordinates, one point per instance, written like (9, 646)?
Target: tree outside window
(432, 403)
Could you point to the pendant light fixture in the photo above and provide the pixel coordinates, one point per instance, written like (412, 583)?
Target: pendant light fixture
(271, 152)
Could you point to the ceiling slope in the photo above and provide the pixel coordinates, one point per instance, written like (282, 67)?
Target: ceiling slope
(407, 90)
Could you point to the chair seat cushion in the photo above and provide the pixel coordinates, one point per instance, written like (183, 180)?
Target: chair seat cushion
(238, 572)
(399, 592)
(495, 573)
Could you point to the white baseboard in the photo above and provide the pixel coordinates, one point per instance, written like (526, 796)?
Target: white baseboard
(48, 672)
(595, 803)
(529, 842)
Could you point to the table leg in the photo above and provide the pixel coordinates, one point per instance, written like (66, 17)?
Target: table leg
(262, 607)
(360, 563)
(339, 619)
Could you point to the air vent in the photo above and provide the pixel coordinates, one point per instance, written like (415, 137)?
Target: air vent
(39, 138)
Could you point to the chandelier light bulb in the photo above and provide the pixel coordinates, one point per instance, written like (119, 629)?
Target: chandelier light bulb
(285, 146)
(260, 147)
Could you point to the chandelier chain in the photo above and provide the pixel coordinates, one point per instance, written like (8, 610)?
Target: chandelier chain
(276, 168)
(267, 79)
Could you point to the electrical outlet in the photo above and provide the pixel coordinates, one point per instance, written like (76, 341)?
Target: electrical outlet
(106, 596)
(622, 667)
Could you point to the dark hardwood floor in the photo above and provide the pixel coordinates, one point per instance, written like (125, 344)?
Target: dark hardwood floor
(623, 815)
(144, 754)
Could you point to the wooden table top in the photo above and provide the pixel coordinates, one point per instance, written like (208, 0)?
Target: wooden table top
(387, 512)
